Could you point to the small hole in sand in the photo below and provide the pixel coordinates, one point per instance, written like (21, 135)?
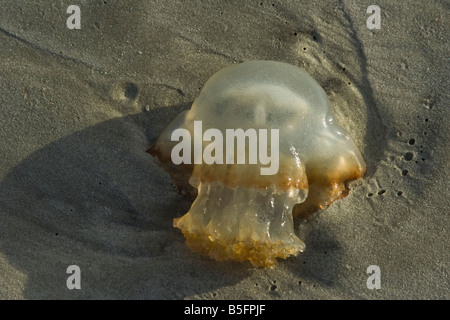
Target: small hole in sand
(370, 194)
(381, 192)
(131, 91)
(399, 193)
(404, 172)
(408, 156)
(411, 141)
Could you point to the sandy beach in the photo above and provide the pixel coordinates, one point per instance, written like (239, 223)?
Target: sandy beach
(79, 108)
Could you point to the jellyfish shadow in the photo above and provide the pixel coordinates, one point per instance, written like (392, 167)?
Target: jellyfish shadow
(96, 199)
(319, 264)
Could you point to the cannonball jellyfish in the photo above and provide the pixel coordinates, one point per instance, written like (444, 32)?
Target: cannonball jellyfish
(258, 147)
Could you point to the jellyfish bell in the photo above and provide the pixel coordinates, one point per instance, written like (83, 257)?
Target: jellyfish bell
(239, 213)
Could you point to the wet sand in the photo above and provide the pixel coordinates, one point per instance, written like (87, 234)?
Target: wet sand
(78, 109)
